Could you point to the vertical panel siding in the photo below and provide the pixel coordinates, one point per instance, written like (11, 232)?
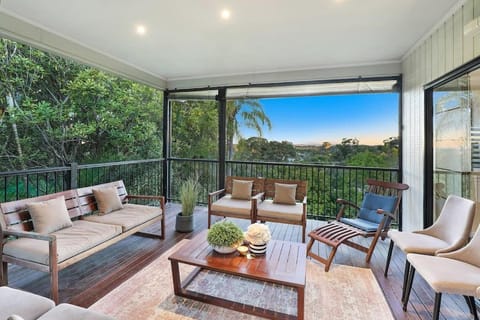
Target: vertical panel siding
(445, 49)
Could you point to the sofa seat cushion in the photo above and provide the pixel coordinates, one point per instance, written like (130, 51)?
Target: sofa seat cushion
(27, 305)
(416, 242)
(447, 275)
(287, 212)
(365, 225)
(71, 312)
(83, 235)
(130, 216)
(228, 205)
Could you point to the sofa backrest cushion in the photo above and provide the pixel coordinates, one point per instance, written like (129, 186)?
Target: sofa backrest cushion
(285, 193)
(372, 202)
(50, 215)
(242, 189)
(107, 199)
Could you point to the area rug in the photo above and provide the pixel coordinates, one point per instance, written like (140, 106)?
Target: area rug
(342, 293)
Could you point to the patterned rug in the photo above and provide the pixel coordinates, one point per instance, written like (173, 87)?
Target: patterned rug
(342, 293)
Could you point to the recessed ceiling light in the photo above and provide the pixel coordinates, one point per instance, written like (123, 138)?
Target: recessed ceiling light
(225, 14)
(141, 30)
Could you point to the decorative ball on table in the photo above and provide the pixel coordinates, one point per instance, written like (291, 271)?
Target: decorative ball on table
(225, 237)
(258, 235)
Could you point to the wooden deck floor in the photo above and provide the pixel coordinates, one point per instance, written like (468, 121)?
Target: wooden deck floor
(90, 279)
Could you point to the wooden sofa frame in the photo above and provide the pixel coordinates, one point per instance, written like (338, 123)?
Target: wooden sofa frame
(262, 188)
(257, 193)
(300, 196)
(16, 222)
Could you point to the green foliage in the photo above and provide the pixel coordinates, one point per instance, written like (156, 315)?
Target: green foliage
(260, 149)
(195, 129)
(54, 112)
(224, 234)
(189, 191)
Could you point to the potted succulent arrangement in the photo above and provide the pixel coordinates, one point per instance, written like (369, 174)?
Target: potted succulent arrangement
(225, 237)
(189, 191)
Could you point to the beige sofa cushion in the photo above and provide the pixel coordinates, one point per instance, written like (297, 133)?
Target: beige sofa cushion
(228, 205)
(411, 242)
(130, 216)
(83, 235)
(107, 199)
(27, 305)
(269, 209)
(71, 312)
(50, 215)
(447, 275)
(242, 189)
(285, 193)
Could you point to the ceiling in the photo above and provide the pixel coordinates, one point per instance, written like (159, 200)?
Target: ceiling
(187, 39)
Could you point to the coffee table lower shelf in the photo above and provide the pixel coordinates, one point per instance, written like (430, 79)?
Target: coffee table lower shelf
(180, 290)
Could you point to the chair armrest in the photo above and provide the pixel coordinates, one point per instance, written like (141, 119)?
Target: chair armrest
(259, 196)
(344, 203)
(304, 200)
(216, 193)
(386, 213)
(145, 197)
(30, 234)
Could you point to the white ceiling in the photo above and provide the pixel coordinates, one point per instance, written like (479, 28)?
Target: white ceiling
(187, 39)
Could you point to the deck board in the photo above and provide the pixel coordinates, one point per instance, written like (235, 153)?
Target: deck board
(90, 279)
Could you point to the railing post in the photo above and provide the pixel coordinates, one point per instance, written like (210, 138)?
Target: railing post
(167, 125)
(222, 135)
(73, 175)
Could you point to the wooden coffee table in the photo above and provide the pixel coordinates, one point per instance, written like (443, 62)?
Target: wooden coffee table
(283, 264)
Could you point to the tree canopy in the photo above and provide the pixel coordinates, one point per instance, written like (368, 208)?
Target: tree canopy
(55, 111)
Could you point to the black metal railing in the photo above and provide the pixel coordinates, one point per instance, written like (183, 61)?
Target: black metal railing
(326, 183)
(140, 177)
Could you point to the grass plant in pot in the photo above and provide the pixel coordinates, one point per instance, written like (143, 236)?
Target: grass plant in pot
(225, 237)
(189, 191)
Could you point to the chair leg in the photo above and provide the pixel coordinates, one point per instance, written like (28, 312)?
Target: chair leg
(436, 307)
(330, 258)
(408, 289)
(209, 219)
(371, 248)
(405, 279)
(389, 257)
(54, 285)
(4, 274)
(471, 306)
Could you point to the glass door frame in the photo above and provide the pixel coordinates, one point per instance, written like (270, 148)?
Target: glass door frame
(428, 199)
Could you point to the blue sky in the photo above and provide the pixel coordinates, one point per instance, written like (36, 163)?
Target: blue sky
(371, 118)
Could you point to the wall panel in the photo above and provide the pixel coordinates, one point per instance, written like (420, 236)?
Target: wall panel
(448, 47)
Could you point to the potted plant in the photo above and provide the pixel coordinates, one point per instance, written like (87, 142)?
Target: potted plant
(189, 191)
(225, 237)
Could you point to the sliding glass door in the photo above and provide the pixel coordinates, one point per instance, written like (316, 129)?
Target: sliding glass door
(455, 140)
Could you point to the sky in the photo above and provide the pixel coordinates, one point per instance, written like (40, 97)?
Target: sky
(313, 120)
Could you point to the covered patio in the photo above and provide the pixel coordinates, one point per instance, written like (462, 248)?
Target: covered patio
(221, 50)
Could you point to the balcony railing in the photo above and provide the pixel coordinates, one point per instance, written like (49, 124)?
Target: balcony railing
(326, 183)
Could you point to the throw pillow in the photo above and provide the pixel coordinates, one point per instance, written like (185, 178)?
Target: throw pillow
(49, 216)
(285, 193)
(242, 189)
(107, 200)
(372, 202)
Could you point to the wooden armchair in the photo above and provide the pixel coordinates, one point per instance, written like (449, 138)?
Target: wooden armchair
(233, 201)
(379, 207)
(291, 210)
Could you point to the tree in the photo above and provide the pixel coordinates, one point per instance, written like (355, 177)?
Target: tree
(244, 112)
(256, 148)
(55, 111)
